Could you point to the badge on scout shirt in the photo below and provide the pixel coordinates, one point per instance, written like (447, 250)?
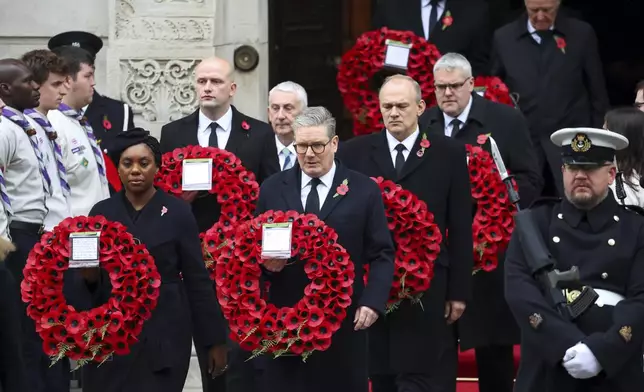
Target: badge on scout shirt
(84, 162)
(626, 333)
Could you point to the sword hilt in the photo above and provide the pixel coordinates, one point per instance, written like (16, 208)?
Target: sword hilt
(513, 195)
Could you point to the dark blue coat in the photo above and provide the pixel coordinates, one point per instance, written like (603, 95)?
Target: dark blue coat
(359, 219)
(582, 239)
(410, 339)
(185, 307)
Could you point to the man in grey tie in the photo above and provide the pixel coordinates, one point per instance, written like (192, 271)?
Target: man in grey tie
(285, 102)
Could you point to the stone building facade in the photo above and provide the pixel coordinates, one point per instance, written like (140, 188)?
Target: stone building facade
(151, 47)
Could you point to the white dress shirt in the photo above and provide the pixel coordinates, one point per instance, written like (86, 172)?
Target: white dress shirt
(408, 143)
(449, 128)
(323, 188)
(533, 32)
(22, 176)
(224, 125)
(57, 202)
(425, 12)
(87, 187)
(281, 154)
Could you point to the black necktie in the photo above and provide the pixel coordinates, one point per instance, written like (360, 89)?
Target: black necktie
(313, 199)
(212, 140)
(400, 159)
(456, 126)
(547, 37)
(433, 16)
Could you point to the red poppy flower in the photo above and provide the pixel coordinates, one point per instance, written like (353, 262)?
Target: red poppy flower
(325, 263)
(493, 221)
(493, 89)
(362, 62)
(245, 125)
(106, 123)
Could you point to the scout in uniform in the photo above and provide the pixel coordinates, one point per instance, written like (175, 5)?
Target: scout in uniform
(107, 116)
(24, 189)
(569, 345)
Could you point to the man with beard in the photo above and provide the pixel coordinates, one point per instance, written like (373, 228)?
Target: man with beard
(414, 348)
(488, 325)
(601, 349)
(24, 191)
(217, 123)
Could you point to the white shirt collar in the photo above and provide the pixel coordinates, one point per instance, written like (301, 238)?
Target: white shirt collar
(326, 179)
(281, 147)
(532, 30)
(463, 116)
(225, 121)
(408, 142)
(425, 3)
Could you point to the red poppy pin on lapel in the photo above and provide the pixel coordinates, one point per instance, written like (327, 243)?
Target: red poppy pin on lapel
(424, 144)
(447, 20)
(342, 189)
(164, 210)
(106, 123)
(245, 126)
(561, 43)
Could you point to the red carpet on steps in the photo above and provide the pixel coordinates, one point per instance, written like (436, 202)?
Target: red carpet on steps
(467, 370)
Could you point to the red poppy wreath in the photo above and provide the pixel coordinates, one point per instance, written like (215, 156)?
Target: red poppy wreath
(261, 327)
(493, 89)
(494, 219)
(97, 334)
(365, 59)
(235, 187)
(417, 240)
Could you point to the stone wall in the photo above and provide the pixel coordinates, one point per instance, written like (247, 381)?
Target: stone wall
(151, 47)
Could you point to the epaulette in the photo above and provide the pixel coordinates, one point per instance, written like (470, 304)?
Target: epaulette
(544, 201)
(633, 208)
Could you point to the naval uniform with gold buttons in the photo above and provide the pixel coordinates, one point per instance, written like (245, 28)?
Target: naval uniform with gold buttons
(606, 243)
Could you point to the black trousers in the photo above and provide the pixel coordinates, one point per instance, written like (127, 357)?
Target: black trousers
(241, 376)
(13, 377)
(41, 377)
(441, 379)
(495, 366)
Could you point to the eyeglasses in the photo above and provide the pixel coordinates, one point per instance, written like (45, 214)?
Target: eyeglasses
(451, 86)
(318, 148)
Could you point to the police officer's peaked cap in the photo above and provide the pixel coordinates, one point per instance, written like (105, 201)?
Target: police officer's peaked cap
(588, 146)
(80, 39)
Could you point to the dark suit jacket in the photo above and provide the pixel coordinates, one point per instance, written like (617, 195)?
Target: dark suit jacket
(487, 320)
(556, 90)
(186, 306)
(251, 146)
(111, 112)
(359, 219)
(468, 35)
(105, 108)
(410, 339)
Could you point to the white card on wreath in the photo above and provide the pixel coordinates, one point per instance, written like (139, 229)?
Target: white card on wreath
(396, 54)
(197, 174)
(276, 240)
(84, 249)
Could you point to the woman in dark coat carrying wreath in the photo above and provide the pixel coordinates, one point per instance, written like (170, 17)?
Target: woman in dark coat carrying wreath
(186, 306)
